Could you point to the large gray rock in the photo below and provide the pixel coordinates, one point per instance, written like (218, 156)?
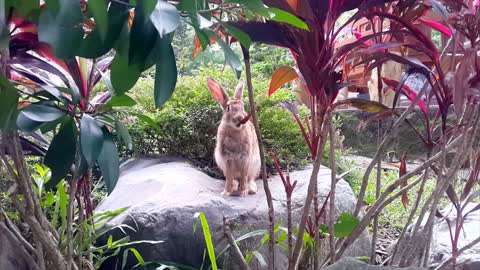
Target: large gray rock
(163, 198)
(441, 246)
(348, 263)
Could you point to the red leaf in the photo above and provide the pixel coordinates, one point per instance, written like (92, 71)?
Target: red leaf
(402, 171)
(280, 77)
(407, 91)
(45, 51)
(437, 26)
(293, 4)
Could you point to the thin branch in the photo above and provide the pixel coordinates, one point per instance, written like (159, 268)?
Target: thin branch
(333, 185)
(309, 199)
(236, 250)
(271, 242)
(388, 190)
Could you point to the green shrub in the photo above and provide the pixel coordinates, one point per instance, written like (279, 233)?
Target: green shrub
(190, 119)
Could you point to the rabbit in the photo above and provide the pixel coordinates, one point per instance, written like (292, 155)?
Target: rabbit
(236, 151)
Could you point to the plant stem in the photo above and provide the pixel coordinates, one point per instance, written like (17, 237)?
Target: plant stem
(388, 190)
(333, 185)
(236, 250)
(310, 193)
(378, 185)
(70, 212)
(271, 217)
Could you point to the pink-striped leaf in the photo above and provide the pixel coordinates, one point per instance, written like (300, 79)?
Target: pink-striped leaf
(407, 91)
(437, 26)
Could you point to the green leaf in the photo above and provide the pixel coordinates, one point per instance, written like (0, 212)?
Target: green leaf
(108, 161)
(59, 27)
(110, 241)
(345, 225)
(147, 120)
(279, 15)
(93, 46)
(165, 73)
(28, 125)
(8, 104)
(61, 152)
(208, 238)
(260, 258)
(99, 11)
(143, 34)
(91, 139)
(123, 75)
(165, 17)
(23, 8)
(122, 131)
(41, 113)
(121, 101)
(241, 36)
(230, 57)
(138, 256)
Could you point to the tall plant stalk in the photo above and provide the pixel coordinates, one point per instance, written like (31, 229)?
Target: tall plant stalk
(268, 193)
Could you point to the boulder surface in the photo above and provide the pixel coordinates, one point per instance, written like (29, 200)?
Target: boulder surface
(162, 199)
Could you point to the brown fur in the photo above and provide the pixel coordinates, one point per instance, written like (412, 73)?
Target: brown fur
(236, 151)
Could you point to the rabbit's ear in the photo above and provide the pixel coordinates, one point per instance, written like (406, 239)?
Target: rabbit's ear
(217, 91)
(239, 90)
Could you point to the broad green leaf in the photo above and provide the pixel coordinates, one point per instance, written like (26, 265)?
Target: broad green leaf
(123, 75)
(208, 238)
(241, 36)
(59, 27)
(143, 34)
(121, 101)
(61, 152)
(147, 120)
(99, 11)
(279, 15)
(165, 17)
(122, 131)
(26, 124)
(8, 104)
(91, 139)
(22, 7)
(41, 113)
(230, 57)
(93, 46)
(108, 161)
(165, 73)
(345, 225)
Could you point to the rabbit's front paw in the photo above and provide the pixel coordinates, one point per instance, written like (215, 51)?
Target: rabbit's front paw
(226, 193)
(252, 187)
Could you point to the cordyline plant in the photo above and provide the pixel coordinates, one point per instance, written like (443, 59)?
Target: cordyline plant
(52, 54)
(318, 67)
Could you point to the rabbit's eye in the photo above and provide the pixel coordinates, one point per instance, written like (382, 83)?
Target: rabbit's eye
(228, 108)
